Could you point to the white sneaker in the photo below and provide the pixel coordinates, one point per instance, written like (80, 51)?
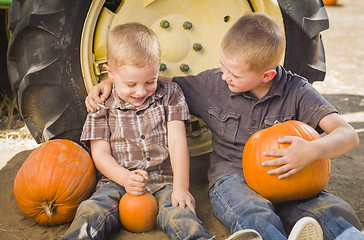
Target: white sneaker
(246, 234)
(306, 228)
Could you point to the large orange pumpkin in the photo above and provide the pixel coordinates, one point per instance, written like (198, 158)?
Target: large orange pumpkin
(53, 181)
(302, 185)
(138, 213)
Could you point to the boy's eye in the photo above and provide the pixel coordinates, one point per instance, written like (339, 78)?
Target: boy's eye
(131, 84)
(150, 82)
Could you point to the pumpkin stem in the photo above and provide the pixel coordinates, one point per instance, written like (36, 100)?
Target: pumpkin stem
(276, 122)
(48, 207)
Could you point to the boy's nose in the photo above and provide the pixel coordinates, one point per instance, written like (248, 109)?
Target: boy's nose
(141, 92)
(225, 76)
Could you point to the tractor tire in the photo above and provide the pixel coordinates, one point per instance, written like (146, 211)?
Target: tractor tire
(303, 22)
(45, 70)
(5, 88)
(44, 66)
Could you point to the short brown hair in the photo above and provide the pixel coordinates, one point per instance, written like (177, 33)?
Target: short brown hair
(133, 44)
(256, 39)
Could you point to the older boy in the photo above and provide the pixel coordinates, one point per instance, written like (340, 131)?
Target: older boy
(250, 92)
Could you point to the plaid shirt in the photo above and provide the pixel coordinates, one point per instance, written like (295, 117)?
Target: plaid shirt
(138, 136)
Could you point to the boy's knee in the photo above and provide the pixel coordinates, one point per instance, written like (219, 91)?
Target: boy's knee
(89, 208)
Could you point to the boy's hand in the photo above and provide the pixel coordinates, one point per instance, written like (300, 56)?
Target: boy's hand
(290, 160)
(98, 94)
(136, 182)
(182, 197)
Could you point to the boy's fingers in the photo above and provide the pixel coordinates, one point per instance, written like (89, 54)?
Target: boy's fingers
(280, 170)
(174, 202)
(137, 178)
(96, 99)
(90, 105)
(191, 206)
(103, 97)
(275, 152)
(137, 192)
(288, 174)
(182, 204)
(142, 173)
(273, 162)
(284, 170)
(286, 139)
(137, 184)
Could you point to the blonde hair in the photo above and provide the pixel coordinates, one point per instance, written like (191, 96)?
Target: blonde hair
(256, 39)
(133, 44)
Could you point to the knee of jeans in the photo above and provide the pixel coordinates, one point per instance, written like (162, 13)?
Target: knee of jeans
(167, 214)
(89, 207)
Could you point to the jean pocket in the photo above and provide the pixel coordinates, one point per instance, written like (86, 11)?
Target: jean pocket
(225, 124)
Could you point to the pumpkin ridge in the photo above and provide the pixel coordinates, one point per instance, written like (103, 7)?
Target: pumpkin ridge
(27, 191)
(82, 190)
(89, 172)
(53, 180)
(65, 194)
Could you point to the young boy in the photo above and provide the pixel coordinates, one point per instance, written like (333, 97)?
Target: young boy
(137, 141)
(251, 92)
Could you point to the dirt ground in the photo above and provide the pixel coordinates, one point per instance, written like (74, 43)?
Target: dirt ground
(344, 87)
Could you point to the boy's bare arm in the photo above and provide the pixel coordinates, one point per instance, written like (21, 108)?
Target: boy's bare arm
(134, 182)
(178, 150)
(340, 138)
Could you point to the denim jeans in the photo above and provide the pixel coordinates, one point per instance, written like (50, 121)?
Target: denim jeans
(99, 215)
(239, 207)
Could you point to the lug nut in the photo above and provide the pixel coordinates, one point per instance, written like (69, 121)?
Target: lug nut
(162, 67)
(187, 25)
(184, 67)
(164, 24)
(197, 47)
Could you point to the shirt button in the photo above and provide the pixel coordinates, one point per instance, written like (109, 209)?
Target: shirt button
(142, 137)
(148, 159)
(223, 117)
(253, 123)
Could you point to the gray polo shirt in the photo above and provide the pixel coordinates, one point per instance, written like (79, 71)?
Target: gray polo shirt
(234, 117)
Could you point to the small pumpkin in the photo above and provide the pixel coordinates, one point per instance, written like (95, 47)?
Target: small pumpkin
(138, 213)
(302, 185)
(53, 181)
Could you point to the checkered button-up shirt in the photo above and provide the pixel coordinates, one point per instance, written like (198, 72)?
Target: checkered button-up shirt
(138, 136)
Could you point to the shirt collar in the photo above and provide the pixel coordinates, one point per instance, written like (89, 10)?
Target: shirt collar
(115, 101)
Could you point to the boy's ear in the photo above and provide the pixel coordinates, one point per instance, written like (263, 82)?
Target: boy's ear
(108, 70)
(269, 75)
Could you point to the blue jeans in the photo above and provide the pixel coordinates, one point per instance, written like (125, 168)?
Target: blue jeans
(239, 207)
(99, 215)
